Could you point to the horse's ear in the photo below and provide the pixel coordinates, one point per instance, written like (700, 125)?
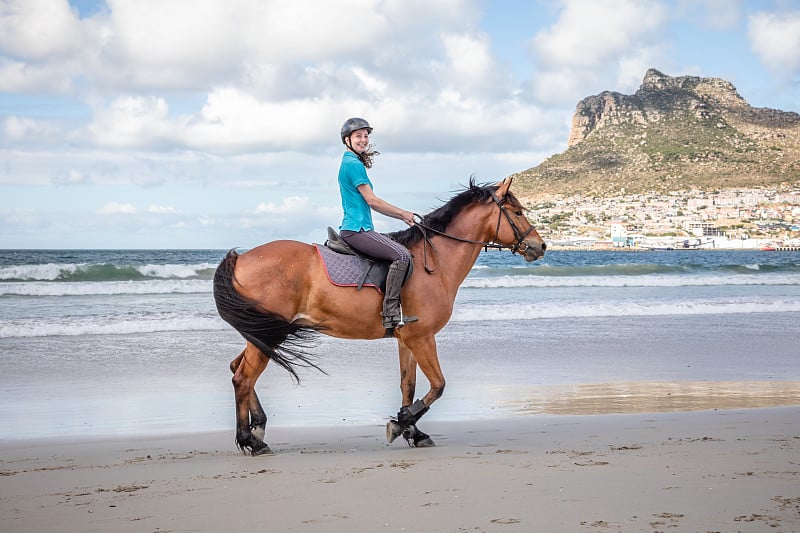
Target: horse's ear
(503, 186)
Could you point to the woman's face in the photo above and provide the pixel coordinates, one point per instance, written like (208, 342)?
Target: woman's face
(359, 140)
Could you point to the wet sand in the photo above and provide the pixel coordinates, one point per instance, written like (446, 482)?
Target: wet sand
(711, 470)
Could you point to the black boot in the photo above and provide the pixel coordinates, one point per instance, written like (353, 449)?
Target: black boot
(392, 312)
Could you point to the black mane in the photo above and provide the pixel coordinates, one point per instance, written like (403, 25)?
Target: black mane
(441, 217)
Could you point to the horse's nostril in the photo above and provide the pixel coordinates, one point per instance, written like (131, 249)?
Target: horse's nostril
(544, 247)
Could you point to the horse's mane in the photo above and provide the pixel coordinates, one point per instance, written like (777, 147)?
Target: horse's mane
(441, 217)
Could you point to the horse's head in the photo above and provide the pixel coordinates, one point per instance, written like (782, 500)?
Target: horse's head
(513, 228)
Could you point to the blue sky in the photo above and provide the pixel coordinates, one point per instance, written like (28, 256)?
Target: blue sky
(213, 124)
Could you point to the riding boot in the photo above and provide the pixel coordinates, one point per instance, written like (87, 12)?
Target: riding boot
(392, 312)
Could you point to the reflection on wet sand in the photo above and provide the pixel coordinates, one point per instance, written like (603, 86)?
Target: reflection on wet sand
(651, 397)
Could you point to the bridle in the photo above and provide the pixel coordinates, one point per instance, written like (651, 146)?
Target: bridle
(519, 245)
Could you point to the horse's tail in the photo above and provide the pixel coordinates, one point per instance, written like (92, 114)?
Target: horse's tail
(282, 341)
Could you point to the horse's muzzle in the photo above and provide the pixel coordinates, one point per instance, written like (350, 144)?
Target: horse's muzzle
(532, 251)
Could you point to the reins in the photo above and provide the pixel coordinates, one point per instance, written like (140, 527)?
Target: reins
(519, 245)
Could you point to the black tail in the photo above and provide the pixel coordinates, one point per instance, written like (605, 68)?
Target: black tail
(284, 342)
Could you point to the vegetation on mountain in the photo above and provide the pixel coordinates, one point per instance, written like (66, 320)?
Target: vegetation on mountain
(674, 134)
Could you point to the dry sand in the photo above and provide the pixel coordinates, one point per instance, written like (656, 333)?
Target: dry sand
(733, 470)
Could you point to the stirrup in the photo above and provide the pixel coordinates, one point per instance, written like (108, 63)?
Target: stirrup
(395, 322)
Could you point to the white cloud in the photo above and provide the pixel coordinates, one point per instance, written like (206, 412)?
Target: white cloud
(292, 204)
(276, 75)
(116, 208)
(39, 29)
(72, 177)
(162, 210)
(132, 121)
(18, 76)
(596, 44)
(775, 38)
(24, 129)
(469, 57)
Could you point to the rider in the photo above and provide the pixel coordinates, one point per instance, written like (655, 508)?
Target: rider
(357, 228)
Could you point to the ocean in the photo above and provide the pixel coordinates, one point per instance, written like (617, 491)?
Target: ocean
(111, 342)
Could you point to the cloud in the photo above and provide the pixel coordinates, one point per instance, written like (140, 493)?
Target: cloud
(29, 130)
(116, 208)
(132, 122)
(72, 177)
(292, 204)
(162, 210)
(271, 75)
(597, 44)
(39, 29)
(296, 214)
(775, 38)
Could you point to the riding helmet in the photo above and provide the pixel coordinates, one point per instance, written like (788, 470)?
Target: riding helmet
(352, 124)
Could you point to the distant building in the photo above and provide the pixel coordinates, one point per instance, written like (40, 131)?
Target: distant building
(702, 229)
(621, 238)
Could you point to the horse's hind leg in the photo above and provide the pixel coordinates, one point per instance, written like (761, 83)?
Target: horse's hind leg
(250, 415)
(258, 418)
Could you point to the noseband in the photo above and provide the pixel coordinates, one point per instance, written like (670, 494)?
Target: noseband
(519, 246)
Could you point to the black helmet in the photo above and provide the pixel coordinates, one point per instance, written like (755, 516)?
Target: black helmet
(352, 124)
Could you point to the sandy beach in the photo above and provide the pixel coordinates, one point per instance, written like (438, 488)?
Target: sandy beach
(731, 470)
(619, 392)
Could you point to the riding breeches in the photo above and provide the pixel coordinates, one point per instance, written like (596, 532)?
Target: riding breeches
(376, 245)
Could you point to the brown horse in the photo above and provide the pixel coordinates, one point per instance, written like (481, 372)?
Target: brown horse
(278, 296)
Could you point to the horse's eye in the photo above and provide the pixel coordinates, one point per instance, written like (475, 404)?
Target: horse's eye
(518, 213)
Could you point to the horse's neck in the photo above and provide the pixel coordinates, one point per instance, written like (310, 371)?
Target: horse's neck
(452, 258)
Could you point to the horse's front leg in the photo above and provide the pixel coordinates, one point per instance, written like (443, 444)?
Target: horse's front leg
(250, 417)
(411, 411)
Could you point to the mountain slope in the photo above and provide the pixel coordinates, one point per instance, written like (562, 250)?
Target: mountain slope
(674, 133)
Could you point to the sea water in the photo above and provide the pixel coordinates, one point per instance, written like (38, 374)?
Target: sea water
(108, 342)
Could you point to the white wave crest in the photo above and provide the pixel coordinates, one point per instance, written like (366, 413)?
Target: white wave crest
(650, 280)
(73, 326)
(44, 272)
(533, 311)
(88, 288)
(56, 271)
(173, 271)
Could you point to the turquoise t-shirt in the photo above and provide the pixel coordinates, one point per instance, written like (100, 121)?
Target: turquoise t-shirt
(357, 213)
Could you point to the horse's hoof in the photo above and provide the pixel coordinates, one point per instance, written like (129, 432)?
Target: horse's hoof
(393, 430)
(416, 438)
(262, 450)
(426, 442)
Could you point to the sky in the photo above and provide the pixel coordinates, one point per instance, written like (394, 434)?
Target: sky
(215, 123)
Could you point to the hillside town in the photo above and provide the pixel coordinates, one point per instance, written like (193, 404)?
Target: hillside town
(760, 219)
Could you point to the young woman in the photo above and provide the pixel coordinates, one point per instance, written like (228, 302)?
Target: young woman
(357, 229)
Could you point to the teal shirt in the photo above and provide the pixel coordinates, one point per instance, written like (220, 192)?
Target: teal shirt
(357, 213)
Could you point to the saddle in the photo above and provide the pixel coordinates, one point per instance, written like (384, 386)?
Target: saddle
(347, 267)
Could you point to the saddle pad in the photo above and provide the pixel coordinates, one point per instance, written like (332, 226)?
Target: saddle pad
(344, 270)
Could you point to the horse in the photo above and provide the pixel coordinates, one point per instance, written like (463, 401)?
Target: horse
(278, 297)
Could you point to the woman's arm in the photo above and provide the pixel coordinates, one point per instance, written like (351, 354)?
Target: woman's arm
(383, 207)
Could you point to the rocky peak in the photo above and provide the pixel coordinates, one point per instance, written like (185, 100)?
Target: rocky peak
(713, 90)
(674, 132)
(657, 95)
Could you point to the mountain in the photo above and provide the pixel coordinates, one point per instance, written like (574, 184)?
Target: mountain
(674, 133)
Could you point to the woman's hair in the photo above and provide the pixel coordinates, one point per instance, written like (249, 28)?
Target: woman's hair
(367, 155)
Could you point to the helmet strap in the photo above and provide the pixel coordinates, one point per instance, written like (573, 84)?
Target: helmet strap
(366, 156)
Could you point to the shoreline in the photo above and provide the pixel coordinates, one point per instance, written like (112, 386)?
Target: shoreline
(704, 470)
(484, 402)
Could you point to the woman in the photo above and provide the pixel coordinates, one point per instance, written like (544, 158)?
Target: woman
(357, 229)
